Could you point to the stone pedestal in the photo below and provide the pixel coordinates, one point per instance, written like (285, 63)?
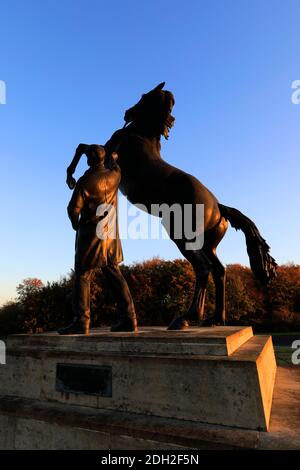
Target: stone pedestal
(221, 376)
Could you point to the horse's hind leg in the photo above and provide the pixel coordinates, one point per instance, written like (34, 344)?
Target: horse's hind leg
(202, 267)
(212, 240)
(219, 277)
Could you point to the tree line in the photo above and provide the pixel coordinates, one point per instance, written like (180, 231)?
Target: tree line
(161, 291)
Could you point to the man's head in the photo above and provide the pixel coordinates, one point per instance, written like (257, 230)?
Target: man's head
(95, 154)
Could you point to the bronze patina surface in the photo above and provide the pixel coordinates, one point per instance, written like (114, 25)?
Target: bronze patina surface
(147, 179)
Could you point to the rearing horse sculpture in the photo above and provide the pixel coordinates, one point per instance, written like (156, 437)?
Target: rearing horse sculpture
(147, 179)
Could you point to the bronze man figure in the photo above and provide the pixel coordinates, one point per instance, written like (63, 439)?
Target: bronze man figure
(95, 192)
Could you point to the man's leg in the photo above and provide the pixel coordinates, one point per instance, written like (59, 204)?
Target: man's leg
(127, 317)
(81, 304)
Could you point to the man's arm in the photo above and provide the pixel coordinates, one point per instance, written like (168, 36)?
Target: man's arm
(72, 167)
(75, 205)
(112, 146)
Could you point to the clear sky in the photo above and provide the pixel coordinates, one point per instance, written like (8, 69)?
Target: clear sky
(72, 67)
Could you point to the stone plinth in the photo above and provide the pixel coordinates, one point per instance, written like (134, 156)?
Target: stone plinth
(218, 341)
(218, 376)
(32, 424)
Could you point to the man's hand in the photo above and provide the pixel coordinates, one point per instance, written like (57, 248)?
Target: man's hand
(81, 149)
(71, 182)
(112, 161)
(75, 225)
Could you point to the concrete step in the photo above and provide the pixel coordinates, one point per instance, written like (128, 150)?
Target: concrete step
(217, 341)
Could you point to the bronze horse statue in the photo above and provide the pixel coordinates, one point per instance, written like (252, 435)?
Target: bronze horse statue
(148, 179)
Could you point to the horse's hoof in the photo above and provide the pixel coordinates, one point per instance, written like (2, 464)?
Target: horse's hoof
(178, 324)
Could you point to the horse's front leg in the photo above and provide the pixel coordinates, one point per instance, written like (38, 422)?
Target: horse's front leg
(80, 150)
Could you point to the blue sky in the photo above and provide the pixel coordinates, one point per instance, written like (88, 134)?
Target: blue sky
(71, 69)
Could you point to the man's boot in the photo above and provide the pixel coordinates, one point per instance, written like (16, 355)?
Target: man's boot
(126, 323)
(79, 326)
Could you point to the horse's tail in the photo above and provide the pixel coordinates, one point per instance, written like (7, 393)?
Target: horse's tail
(261, 262)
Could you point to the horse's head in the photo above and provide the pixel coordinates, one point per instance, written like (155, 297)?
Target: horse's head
(154, 109)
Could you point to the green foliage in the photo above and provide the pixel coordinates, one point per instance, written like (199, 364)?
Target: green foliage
(284, 296)
(29, 287)
(38, 307)
(243, 299)
(161, 291)
(11, 318)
